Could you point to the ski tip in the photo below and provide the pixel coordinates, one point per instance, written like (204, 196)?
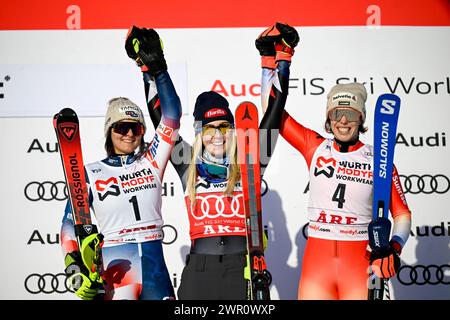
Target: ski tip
(246, 110)
(246, 103)
(389, 96)
(387, 104)
(65, 113)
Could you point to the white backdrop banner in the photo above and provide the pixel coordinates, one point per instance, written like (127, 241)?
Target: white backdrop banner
(84, 69)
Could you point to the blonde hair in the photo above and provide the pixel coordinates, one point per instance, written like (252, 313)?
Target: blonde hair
(234, 171)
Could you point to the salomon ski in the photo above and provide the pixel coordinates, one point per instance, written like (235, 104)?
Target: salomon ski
(385, 129)
(246, 118)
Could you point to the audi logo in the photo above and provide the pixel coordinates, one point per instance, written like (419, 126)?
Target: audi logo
(264, 187)
(305, 230)
(421, 275)
(426, 183)
(47, 283)
(211, 203)
(46, 191)
(172, 235)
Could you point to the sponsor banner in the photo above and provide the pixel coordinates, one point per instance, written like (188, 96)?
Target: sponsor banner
(42, 90)
(102, 14)
(385, 59)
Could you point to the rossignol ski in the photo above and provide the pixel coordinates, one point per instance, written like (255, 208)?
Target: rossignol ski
(387, 110)
(247, 131)
(66, 125)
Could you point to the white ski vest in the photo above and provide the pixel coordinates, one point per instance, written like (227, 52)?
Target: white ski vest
(126, 200)
(341, 191)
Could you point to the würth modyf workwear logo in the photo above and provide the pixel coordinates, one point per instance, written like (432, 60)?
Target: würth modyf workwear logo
(325, 166)
(110, 185)
(68, 130)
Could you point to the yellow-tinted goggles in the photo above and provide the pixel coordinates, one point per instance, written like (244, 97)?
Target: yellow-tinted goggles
(223, 128)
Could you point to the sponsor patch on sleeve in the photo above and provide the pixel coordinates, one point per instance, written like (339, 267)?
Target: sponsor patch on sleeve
(166, 132)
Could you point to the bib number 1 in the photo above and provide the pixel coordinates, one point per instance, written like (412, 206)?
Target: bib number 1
(137, 214)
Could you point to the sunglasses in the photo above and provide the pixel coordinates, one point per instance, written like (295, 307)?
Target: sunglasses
(350, 115)
(124, 127)
(223, 128)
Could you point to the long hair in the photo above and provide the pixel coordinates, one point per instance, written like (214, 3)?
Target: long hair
(109, 146)
(234, 171)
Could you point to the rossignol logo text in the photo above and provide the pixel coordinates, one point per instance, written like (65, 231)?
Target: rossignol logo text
(78, 191)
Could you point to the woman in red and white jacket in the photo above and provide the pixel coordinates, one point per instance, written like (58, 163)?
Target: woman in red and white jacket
(335, 262)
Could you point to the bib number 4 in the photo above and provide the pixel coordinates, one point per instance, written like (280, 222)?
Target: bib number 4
(339, 195)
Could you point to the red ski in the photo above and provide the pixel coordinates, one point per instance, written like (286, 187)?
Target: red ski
(66, 125)
(247, 133)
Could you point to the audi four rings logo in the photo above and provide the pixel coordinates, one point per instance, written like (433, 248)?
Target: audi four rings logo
(421, 275)
(46, 191)
(425, 183)
(170, 234)
(264, 187)
(213, 206)
(47, 283)
(305, 230)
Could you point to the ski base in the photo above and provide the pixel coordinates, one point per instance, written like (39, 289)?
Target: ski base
(247, 133)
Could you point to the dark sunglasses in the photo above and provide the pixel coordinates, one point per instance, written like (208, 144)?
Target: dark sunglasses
(124, 127)
(223, 128)
(350, 115)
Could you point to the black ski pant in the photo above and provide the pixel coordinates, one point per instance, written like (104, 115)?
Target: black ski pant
(213, 277)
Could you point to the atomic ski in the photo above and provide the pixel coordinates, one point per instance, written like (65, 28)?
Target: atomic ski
(247, 132)
(66, 125)
(387, 110)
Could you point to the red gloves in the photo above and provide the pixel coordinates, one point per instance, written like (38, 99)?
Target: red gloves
(276, 43)
(386, 264)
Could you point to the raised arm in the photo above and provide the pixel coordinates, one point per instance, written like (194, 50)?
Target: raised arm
(276, 47)
(163, 103)
(181, 152)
